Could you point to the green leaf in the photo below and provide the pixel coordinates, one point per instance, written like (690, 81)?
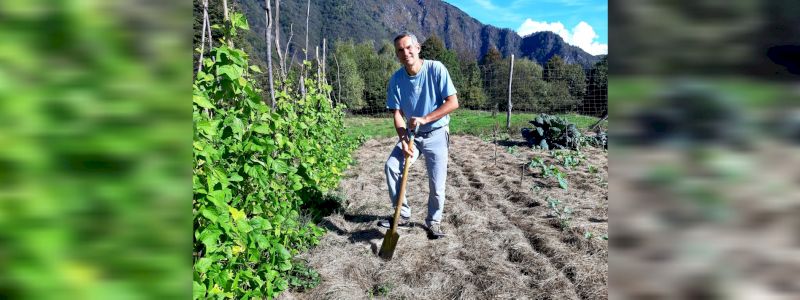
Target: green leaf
(236, 214)
(238, 128)
(285, 266)
(260, 223)
(281, 284)
(210, 238)
(561, 181)
(264, 129)
(280, 167)
(209, 214)
(202, 265)
(235, 177)
(297, 186)
(255, 68)
(239, 21)
(202, 101)
(233, 72)
(198, 290)
(219, 198)
(283, 254)
(243, 226)
(208, 127)
(262, 242)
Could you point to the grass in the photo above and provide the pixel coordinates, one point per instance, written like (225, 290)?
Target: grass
(462, 121)
(630, 91)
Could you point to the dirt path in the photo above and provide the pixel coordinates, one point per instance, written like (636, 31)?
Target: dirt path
(503, 240)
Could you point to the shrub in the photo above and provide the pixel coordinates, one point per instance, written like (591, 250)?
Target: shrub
(254, 168)
(550, 132)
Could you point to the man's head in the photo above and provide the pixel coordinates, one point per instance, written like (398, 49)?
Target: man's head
(406, 47)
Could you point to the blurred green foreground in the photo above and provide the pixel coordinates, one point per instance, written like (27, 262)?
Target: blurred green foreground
(95, 148)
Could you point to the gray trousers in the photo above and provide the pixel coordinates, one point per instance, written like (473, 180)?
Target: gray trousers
(434, 147)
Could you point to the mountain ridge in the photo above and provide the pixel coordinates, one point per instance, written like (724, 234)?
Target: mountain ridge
(376, 20)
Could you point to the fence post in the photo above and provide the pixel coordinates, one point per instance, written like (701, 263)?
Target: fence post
(510, 75)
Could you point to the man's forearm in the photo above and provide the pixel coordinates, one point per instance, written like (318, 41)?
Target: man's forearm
(450, 104)
(400, 125)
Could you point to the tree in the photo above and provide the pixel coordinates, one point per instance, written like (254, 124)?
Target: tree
(576, 80)
(493, 79)
(526, 83)
(527, 74)
(596, 100)
(491, 57)
(472, 94)
(364, 74)
(432, 48)
(554, 69)
(554, 97)
(376, 70)
(450, 61)
(352, 84)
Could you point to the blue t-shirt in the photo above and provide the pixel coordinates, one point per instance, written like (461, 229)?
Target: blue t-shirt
(419, 95)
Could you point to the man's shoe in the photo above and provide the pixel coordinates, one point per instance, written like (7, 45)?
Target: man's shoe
(403, 223)
(436, 231)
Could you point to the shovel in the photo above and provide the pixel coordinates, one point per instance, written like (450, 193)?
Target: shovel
(391, 237)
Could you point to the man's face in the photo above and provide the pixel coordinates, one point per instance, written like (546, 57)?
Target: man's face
(407, 51)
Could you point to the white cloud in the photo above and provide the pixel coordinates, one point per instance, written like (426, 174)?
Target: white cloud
(582, 35)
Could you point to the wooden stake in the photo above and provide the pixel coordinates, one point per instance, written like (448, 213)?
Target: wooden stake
(495, 142)
(510, 76)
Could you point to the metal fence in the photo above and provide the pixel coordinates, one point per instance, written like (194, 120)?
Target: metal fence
(530, 88)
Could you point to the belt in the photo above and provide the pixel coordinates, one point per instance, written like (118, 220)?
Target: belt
(425, 134)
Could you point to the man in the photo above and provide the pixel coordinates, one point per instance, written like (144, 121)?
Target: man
(422, 93)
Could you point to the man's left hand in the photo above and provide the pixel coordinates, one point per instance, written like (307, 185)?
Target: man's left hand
(417, 121)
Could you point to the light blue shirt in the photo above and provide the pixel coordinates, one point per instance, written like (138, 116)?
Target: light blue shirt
(419, 95)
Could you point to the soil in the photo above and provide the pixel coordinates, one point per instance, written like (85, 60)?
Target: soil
(724, 225)
(503, 240)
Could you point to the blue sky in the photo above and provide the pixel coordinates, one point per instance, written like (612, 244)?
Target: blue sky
(583, 23)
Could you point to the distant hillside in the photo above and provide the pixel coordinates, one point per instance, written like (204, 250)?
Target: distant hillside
(375, 20)
(541, 46)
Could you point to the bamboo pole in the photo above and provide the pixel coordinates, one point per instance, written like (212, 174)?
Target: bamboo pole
(338, 80)
(203, 36)
(305, 50)
(269, 53)
(278, 37)
(319, 68)
(225, 14)
(288, 42)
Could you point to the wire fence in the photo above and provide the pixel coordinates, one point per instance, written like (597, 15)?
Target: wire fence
(529, 88)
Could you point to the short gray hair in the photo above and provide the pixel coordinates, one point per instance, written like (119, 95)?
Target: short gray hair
(406, 34)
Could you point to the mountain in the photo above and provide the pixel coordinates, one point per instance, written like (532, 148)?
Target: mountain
(541, 46)
(377, 20)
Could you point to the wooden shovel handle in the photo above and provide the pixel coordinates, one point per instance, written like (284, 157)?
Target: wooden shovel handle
(402, 192)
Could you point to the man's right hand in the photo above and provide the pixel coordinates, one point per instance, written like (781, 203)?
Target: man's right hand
(407, 149)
